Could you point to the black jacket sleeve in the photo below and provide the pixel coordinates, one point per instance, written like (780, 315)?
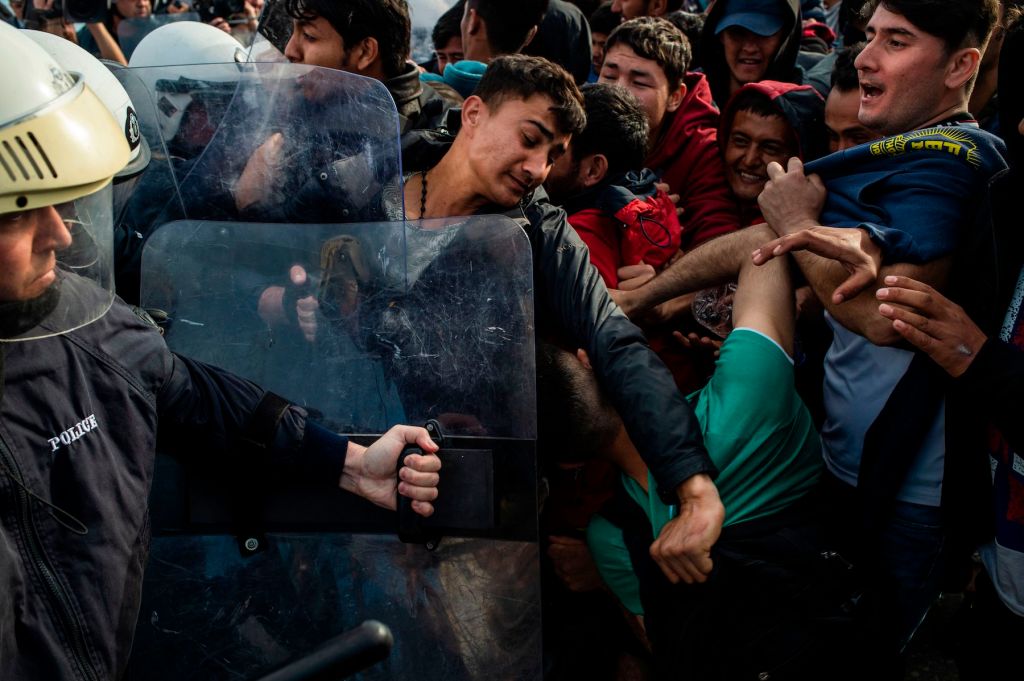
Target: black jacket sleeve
(994, 383)
(199, 403)
(657, 417)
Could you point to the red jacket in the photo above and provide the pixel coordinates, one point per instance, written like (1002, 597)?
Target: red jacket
(625, 223)
(687, 158)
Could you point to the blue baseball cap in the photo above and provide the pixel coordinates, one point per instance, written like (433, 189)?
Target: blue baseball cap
(763, 17)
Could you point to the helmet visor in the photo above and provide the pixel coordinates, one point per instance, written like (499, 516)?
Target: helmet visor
(57, 272)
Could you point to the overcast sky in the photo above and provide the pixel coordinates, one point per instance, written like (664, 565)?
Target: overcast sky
(427, 12)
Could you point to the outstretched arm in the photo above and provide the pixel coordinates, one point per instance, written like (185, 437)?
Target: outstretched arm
(791, 203)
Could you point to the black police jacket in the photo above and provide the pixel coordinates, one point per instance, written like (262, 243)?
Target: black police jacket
(78, 434)
(571, 300)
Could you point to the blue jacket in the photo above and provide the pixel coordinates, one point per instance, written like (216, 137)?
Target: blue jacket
(916, 192)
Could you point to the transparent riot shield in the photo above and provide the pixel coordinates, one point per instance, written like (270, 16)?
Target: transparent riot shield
(279, 143)
(394, 323)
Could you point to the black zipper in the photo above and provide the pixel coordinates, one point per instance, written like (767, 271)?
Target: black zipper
(60, 599)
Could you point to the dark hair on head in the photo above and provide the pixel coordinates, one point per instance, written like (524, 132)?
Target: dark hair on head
(692, 25)
(575, 421)
(753, 101)
(617, 127)
(518, 76)
(958, 23)
(448, 26)
(509, 21)
(844, 73)
(604, 20)
(656, 39)
(387, 21)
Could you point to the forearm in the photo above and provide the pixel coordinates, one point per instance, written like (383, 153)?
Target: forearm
(715, 262)
(860, 313)
(109, 49)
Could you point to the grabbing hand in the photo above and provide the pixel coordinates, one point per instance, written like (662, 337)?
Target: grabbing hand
(370, 472)
(702, 344)
(683, 548)
(791, 201)
(851, 247)
(306, 307)
(573, 564)
(674, 198)
(260, 172)
(932, 322)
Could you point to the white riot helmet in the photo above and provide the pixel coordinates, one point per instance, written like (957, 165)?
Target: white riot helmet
(186, 42)
(59, 150)
(160, 61)
(104, 85)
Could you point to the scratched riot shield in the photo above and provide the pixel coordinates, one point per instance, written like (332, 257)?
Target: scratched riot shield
(282, 143)
(394, 323)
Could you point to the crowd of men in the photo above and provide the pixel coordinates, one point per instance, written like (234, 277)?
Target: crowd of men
(777, 293)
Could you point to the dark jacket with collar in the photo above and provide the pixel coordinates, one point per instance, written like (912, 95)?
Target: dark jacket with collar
(78, 432)
(420, 107)
(572, 301)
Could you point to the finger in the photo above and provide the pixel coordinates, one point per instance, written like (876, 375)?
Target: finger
(897, 281)
(775, 171)
(663, 186)
(427, 463)
(424, 508)
(914, 336)
(297, 274)
(417, 493)
(678, 335)
(418, 436)
(634, 271)
(919, 300)
(417, 478)
(853, 285)
(795, 165)
(565, 541)
(816, 180)
(905, 316)
(584, 358)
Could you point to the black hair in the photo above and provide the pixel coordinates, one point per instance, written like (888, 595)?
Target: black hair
(691, 24)
(958, 23)
(448, 26)
(520, 76)
(844, 73)
(656, 39)
(604, 20)
(509, 22)
(617, 128)
(387, 21)
(574, 418)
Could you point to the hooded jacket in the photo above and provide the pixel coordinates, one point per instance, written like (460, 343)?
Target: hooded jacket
(802, 108)
(625, 221)
(783, 66)
(685, 156)
(572, 301)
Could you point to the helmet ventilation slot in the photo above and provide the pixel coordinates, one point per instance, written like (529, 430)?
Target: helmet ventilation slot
(26, 161)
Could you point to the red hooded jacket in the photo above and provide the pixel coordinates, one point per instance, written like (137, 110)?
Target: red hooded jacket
(686, 157)
(626, 222)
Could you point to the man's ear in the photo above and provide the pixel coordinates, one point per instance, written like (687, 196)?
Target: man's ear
(529, 37)
(473, 110)
(962, 65)
(593, 169)
(363, 55)
(675, 99)
(657, 8)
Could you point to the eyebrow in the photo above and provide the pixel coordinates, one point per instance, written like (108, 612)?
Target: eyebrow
(543, 130)
(900, 31)
(633, 72)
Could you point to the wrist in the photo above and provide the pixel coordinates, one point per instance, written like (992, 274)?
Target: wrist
(350, 473)
(696, 488)
(794, 226)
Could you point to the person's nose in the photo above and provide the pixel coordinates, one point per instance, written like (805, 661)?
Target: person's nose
(52, 233)
(291, 50)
